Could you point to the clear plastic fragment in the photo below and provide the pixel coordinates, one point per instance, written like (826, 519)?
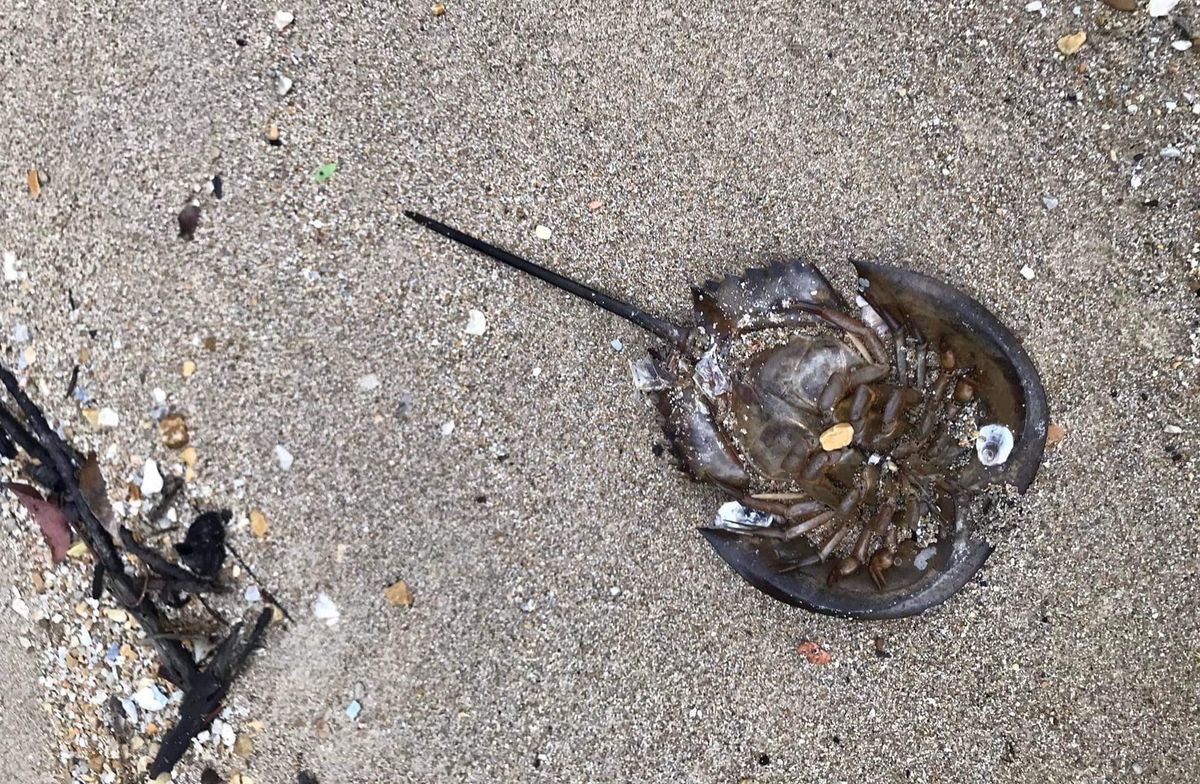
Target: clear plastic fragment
(732, 516)
(710, 376)
(646, 375)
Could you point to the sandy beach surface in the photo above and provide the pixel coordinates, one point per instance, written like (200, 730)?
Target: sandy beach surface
(567, 623)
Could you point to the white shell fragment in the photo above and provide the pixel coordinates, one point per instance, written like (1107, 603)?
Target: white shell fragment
(1027, 272)
(283, 85)
(710, 376)
(476, 323)
(283, 457)
(1162, 7)
(645, 375)
(871, 318)
(283, 19)
(1182, 45)
(149, 698)
(543, 232)
(11, 273)
(325, 610)
(732, 516)
(993, 444)
(152, 480)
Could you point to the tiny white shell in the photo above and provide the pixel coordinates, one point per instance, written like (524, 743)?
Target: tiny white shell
(993, 444)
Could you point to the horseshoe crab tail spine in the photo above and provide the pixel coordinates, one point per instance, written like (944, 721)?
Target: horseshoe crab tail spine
(652, 324)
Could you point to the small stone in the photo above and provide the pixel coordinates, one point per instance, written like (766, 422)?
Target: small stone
(283, 85)
(1122, 5)
(398, 594)
(258, 524)
(1070, 44)
(543, 232)
(353, 710)
(1034, 7)
(1182, 45)
(837, 437)
(476, 323)
(1135, 182)
(33, 182)
(108, 418)
(188, 368)
(447, 427)
(1171, 151)
(173, 431)
(152, 480)
(272, 133)
(243, 746)
(1173, 430)
(252, 594)
(529, 605)
(1027, 272)
(325, 610)
(1055, 434)
(1049, 202)
(369, 382)
(437, 9)
(595, 204)
(77, 550)
(283, 457)
(617, 345)
(189, 456)
(189, 221)
(283, 19)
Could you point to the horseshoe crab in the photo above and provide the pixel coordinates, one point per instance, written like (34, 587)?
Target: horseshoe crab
(855, 443)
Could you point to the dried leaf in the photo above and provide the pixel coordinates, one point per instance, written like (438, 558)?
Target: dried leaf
(34, 183)
(398, 594)
(1122, 5)
(95, 493)
(814, 653)
(1071, 43)
(48, 517)
(203, 547)
(258, 524)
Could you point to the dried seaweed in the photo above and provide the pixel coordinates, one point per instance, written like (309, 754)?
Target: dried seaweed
(74, 485)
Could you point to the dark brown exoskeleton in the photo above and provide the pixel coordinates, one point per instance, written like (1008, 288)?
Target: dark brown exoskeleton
(853, 441)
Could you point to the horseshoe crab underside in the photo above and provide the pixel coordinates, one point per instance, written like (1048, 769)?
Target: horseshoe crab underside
(856, 442)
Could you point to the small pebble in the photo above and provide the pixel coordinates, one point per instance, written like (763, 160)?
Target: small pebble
(1034, 6)
(1049, 202)
(283, 85)
(529, 605)
(1171, 151)
(476, 323)
(368, 382)
(447, 427)
(353, 710)
(108, 418)
(543, 232)
(1027, 272)
(1181, 45)
(283, 19)
(437, 9)
(1162, 7)
(616, 344)
(283, 457)
(252, 594)
(1173, 430)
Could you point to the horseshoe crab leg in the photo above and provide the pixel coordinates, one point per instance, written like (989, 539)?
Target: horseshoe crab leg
(652, 324)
